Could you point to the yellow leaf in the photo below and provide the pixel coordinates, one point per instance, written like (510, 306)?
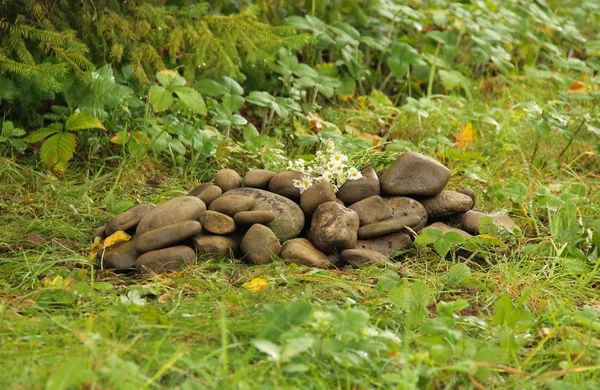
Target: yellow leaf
(256, 285)
(115, 238)
(119, 138)
(485, 236)
(96, 245)
(466, 136)
(58, 282)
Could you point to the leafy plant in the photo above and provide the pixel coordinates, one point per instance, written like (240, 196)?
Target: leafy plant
(12, 136)
(442, 242)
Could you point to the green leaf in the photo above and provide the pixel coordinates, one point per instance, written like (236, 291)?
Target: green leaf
(170, 79)
(458, 275)
(296, 346)
(57, 150)
(210, 87)
(72, 373)
(191, 99)
(449, 308)
(40, 134)
(455, 237)
(160, 98)
(402, 56)
(299, 312)
(81, 121)
(442, 246)
(9, 130)
(267, 347)
(261, 98)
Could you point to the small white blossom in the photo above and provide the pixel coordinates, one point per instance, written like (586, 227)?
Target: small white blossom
(338, 158)
(330, 146)
(354, 174)
(328, 176)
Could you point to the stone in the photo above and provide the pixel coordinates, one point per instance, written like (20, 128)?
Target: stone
(360, 258)
(164, 260)
(372, 209)
(471, 221)
(260, 244)
(166, 236)
(334, 227)
(217, 223)
(210, 194)
(247, 218)
(403, 207)
(303, 252)
(289, 218)
(128, 219)
(33, 240)
(389, 226)
(470, 193)
(100, 231)
(283, 184)
(215, 246)
(233, 204)
(176, 210)
(353, 191)
(227, 179)
(258, 178)
(386, 245)
(120, 256)
(199, 188)
(318, 193)
(415, 174)
(446, 204)
(445, 229)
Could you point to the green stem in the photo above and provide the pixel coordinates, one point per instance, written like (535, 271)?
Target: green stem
(432, 71)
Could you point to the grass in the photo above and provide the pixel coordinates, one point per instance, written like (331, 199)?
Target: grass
(524, 315)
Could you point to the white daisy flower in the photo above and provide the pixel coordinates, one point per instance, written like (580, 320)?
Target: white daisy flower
(354, 174)
(338, 158)
(328, 176)
(330, 145)
(338, 169)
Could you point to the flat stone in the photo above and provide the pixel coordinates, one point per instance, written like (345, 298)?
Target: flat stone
(176, 210)
(217, 223)
(100, 231)
(210, 194)
(166, 236)
(471, 221)
(379, 229)
(215, 246)
(247, 218)
(258, 178)
(334, 227)
(283, 184)
(360, 258)
(233, 204)
(445, 229)
(403, 207)
(303, 252)
(372, 209)
(318, 193)
(199, 188)
(128, 219)
(289, 218)
(386, 245)
(446, 204)
(227, 179)
(120, 256)
(260, 244)
(470, 193)
(415, 174)
(353, 191)
(165, 260)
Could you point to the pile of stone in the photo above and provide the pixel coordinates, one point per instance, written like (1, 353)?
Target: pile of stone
(263, 215)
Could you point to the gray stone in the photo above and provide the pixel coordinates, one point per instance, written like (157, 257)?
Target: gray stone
(386, 245)
(260, 244)
(165, 260)
(445, 229)
(334, 227)
(233, 204)
(472, 221)
(415, 174)
(217, 223)
(258, 178)
(228, 179)
(283, 184)
(247, 218)
(353, 191)
(289, 218)
(318, 193)
(446, 204)
(100, 232)
(371, 210)
(166, 236)
(215, 246)
(389, 226)
(128, 219)
(210, 194)
(470, 193)
(403, 207)
(303, 252)
(176, 210)
(360, 258)
(120, 256)
(199, 188)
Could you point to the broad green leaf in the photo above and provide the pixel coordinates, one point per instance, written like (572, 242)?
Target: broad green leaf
(449, 308)
(299, 312)
(9, 130)
(420, 295)
(160, 98)
(442, 246)
(454, 237)
(191, 99)
(40, 134)
(170, 79)
(57, 150)
(458, 275)
(250, 133)
(81, 121)
(261, 98)
(210, 87)
(402, 56)
(268, 348)
(296, 346)
(232, 86)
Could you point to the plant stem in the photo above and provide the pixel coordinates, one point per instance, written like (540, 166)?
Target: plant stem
(572, 139)
(432, 71)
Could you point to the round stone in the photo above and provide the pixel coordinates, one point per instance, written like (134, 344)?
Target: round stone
(120, 256)
(283, 184)
(228, 179)
(402, 206)
(128, 219)
(164, 260)
(100, 232)
(471, 221)
(173, 211)
(166, 236)
(371, 210)
(445, 229)
(334, 227)
(258, 178)
(360, 258)
(379, 229)
(260, 244)
(302, 251)
(247, 218)
(215, 246)
(210, 194)
(446, 204)
(386, 245)
(217, 223)
(315, 195)
(415, 174)
(233, 204)
(353, 191)
(470, 193)
(199, 188)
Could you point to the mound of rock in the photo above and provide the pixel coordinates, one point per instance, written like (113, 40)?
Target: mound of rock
(263, 215)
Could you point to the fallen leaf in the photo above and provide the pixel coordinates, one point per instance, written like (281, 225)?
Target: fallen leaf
(374, 138)
(58, 282)
(256, 285)
(119, 138)
(577, 87)
(466, 136)
(96, 246)
(484, 236)
(115, 238)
